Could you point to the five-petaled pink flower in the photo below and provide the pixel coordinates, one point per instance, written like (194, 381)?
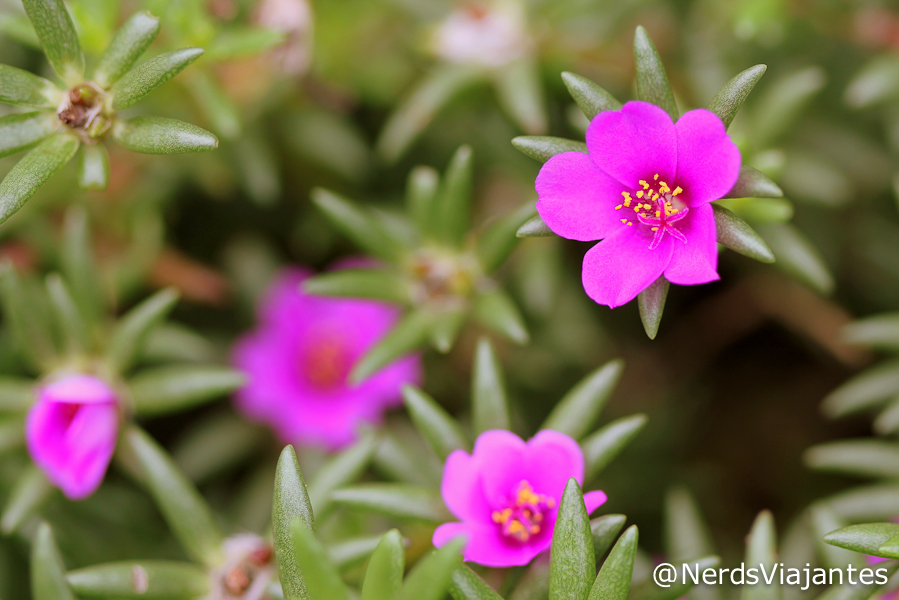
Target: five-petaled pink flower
(506, 494)
(299, 358)
(644, 189)
(71, 433)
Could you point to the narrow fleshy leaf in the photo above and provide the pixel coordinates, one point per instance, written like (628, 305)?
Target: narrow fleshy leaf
(889, 547)
(521, 95)
(290, 505)
(824, 520)
(499, 239)
(867, 503)
(421, 194)
(341, 470)
(48, 572)
(399, 460)
(223, 114)
(320, 575)
(877, 81)
(760, 210)
(614, 578)
(605, 530)
(377, 284)
(56, 32)
(16, 393)
(397, 500)
(68, 318)
(216, 444)
(604, 445)
(590, 98)
(534, 227)
(686, 534)
(129, 43)
(29, 493)
(573, 565)
(22, 131)
(244, 41)
(159, 135)
(864, 457)
(736, 234)
(761, 549)
(651, 303)
(652, 80)
(174, 342)
(648, 590)
(446, 326)
(544, 147)
(410, 334)
(730, 98)
(384, 575)
(783, 100)
(179, 387)
(441, 431)
(93, 169)
(31, 330)
(127, 340)
(453, 203)
(534, 584)
(489, 401)
(497, 311)
(132, 580)
(578, 410)
(146, 77)
(350, 552)
(431, 577)
(797, 257)
(880, 331)
(752, 183)
(468, 585)
(358, 224)
(866, 538)
(21, 88)
(33, 171)
(869, 389)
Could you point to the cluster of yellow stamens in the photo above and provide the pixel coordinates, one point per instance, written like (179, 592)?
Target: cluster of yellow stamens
(650, 200)
(522, 519)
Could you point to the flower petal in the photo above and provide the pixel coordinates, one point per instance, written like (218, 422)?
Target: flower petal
(622, 265)
(594, 500)
(708, 162)
(501, 457)
(553, 459)
(696, 261)
(487, 546)
(461, 487)
(634, 143)
(449, 531)
(576, 199)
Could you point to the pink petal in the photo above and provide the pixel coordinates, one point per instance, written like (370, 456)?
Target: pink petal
(708, 162)
(594, 500)
(622, 265)
(553, 459)
(696, 261)
(448, 532)
(487, 546)
(80, 389)
(576, 199)
(501, 456)
(461, 487)
(634, 143)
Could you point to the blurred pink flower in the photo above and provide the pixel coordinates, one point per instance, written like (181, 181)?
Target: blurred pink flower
(644, 188)
(299, 358)
(294, 19)
(506, 494)
(487, 34)
(71, 433)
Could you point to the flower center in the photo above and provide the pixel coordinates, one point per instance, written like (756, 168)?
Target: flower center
(84, 111)
(524, 514)
(658, 209)
(326, 362)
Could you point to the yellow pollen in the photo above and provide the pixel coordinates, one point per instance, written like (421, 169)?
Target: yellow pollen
(619, 207)
(664, 187)
(656, 176)
(655, 228)
(676, 191)
(630, 224)
(640, 194)
(624, 220)
(627, 202)
(658, 212)
(644, 184)
(655, 197)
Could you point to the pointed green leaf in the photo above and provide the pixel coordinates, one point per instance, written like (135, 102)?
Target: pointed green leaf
(759, 210)
(431, 577)
(54, 28)
(824, 520)
(290, 505)
(867, 503)
(686, 534)
(397, 500)
(863, 457)
(534, 227)
(866, 538)
(358, 224)
(604, 445)
(148, 579)
(495, 310)
(576, 413)
(573, 565)
(752, 183)
(421, 193)
(129, 43)
(446, 327)
(33, 171)
(761, 549)
(651, 303)
(605, 530)
(224, 116)
(76, 259)
(782, 101)
(350, 552)
(399, 460)
(321, 576)
(521, 95)
(877, 81)
(341, 470)
(21, 88)
(736, 234)
(68, 319)
(489, 401)
(143, 79)
(590, 98)
(93, 170)
(48, 572)
(179, 387)
(544, 147)
(384, 575)
(173, 342)
(16, 393)
(730, 98)
(614, 578)
(468, 585)
(889, 547)
(869, 389)
(534, 584)
(410, 334)
(648, 590)
(880, 332)
(215, 444)
(652, 80)
(22, 131)
(27, 496)
(453, 203)
(158, 135)
(441, 431)
(127, 340)
(498, 239)
(244, 42)
(377, 284)
(31, 331)
(182, 506)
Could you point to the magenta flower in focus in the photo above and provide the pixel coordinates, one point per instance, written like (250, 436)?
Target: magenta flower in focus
(71, 433)
(299, 358)
(506, 494)
(644, 189)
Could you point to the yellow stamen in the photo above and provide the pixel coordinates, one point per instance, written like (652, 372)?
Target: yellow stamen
(676, 191)
(619, 207)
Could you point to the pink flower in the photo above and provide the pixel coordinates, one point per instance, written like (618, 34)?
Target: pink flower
(506, 494)
(644, 189)
(71, 433)
(300, 356)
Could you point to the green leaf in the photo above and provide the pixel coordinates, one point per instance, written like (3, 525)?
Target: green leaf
(224, 117)
(876, 82)
(358, 224)
(441, 431)
(129, 43)
(576, 413)
(321, 576)
(573, 564)
(759, 210)
(431, 577)
(880, 332)
(869, 389)
(33, 171)
(590, 98)
(887, 422)
(143, 79)
(76, 260)
(864, 457)
(890, 547)
(16, 393)
(686, 534)
(290, 504)
(377, 284)
(384, 575)
(495, 310)
(93, 170)
(866, 538)
(783, 100)
(445, 329)
(867, 503)
(149, 580)
(614, 578)
(489, 401)
(824, 520)
(652, 80)
(68, 319)
(410, 334)
(736, 234)
(244, 41)
(498, 239)
(29, 493)
(859, 591)
(468, 585)
(544, 147)
(453, 202)
(651, 303)
(350, 552)
(12, 435)
(48, 572)
(179, 387)
(604, 445)
(127, 340)
(520, 94)
(341, 470)
(534, 584)
(182, 506)
(648, 590)
(30, 328)
(534, 227)
(761, 549)
(22, 131)
(158, 135)
(18, 27)
(21, 88)
(54, 28)
(605, 530)
(421, 193)
(215, 444)
(730, 98)
(397, 500)
(399, 460)
(752, 183)
(174, 342)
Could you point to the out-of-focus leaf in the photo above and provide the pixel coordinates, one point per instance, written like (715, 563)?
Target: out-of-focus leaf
(489, 400)
(68, 319)
(347, 553)
(578, 410)
(76, 259)
(446, 327)
(604, 445)
(752, 183)
(865, 457)
(173, 342)
(384, 576)
(21, 131)
(686, 534)
(534, 227)
(54, 28)
(449, 219)
(590, 98)
(824, 521)
(544, 147)
(468, 585)
(31, 331)
(520, 94)
(377, 284)
(866, 538)
(179, 387)
(614, 578)
(239, 42)
(652, 80)
(651, 303)
(398, 500)
(880, 331)
(358, 224)
(867, 503)
(887, 422)
(27, 496)
(869, 389)
(146, 77)
(290, 505)
(431, 577)
(129, 43)
(730, 98)
(648, 590)
(214, 444)
(499, 238)
(398, 460)
(222, 112)
(33, 171)
(605, 530)
(421, 193)
(736, 234)
(320, 575)
(17, 27)
(93, 170)
(496, 310)
(16, 393)
(127, 340)
(441, 431)
(797, 256)
(410, 334)
(48, 572)
(534, 584)
(876, 82)
(759, 210)
(12, 434)
(761, 549)
(21, 88)
(782, 101)
(859, 591)
(150, 580)
(573, 564)
(159, 135)
(341, 470)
